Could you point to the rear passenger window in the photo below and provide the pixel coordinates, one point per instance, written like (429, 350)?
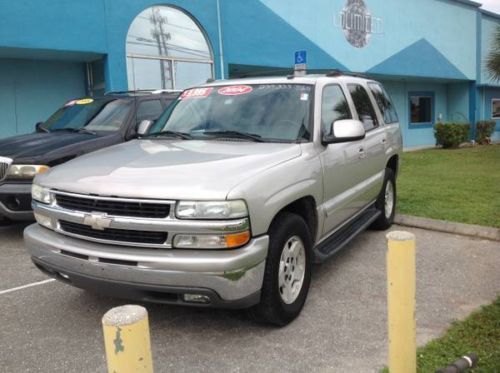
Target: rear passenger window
(333, 107)
(149, 110)
(384, 103)
(364, 107)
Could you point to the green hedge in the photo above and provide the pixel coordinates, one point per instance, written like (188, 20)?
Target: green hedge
(451, 135)
(484, 130)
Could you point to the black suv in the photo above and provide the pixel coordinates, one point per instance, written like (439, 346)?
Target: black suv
(79, 127)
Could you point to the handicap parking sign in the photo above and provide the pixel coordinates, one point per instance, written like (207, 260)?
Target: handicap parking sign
(300, 57)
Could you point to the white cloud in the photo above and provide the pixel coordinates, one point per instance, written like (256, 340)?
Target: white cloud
(491, 5)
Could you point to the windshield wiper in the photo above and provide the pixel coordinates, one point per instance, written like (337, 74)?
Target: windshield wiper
(79, 130)
(235, 134)
(177, 134)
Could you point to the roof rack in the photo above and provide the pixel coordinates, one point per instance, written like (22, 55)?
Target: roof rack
(143, 91)
(289, 73)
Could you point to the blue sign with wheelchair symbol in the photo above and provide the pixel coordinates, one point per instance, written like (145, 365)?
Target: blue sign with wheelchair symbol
(300, 57)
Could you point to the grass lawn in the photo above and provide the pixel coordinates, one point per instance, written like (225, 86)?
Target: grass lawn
(479, 333)
(461, 185)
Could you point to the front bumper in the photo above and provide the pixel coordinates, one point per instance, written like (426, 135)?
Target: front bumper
(15, 201)
(230, 278)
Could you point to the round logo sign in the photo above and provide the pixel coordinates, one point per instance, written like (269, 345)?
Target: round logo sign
(356, 23)
(235, 90)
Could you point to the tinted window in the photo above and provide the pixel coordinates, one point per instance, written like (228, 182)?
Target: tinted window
(384, 103)
(149, 110)
(421, 109)
(93, 114)
(364, 107)
(333, 107)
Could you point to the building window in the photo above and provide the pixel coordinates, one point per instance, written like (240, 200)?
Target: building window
(166, 49)
(422, 108)
(495, 108)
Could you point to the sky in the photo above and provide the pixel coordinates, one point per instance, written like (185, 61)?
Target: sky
(491, 5)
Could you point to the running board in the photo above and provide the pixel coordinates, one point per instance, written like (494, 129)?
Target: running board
(340, 238)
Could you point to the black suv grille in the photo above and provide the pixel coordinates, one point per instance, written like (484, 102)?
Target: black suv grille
(4, 166)
(111, 234)
(119, 208)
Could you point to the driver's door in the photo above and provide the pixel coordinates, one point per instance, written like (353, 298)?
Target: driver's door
(342, 163)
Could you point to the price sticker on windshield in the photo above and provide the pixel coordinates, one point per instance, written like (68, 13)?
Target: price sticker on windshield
(235, 90)
(196, 93)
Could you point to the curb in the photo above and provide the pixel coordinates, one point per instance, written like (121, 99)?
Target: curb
(478, 231)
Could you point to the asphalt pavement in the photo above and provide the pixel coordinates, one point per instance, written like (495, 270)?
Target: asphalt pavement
(52, 327)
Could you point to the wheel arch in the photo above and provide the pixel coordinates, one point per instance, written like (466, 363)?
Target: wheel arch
(306, 208)
(393, 164)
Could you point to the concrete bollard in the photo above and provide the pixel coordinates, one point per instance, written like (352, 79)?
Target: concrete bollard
(401, 302)
(127, 340)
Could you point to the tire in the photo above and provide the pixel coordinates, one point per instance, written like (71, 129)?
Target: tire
(280, 305)
(386, 218)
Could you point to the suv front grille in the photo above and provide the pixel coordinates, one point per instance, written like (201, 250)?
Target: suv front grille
(111, 234)
(114, 207)
(4, 166)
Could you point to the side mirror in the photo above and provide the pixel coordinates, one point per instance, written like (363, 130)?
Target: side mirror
(144, 127)
(39, 127)
(344, 131)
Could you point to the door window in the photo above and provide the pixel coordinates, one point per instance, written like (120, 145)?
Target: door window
(384, 103)
(149, 110)
(364, 107)
(333, 107)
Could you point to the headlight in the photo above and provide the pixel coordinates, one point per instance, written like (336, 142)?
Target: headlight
(26, 171)
(211, 210)
(41, 194)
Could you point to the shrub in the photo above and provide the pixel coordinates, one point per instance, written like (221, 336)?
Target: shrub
(451, 135)
(484, 130)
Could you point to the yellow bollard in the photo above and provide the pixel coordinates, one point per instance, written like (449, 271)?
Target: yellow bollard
(401, 302)
(127, 340)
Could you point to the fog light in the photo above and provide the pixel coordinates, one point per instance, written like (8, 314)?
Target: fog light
(209, 241)
(196, 298)
(44, 221)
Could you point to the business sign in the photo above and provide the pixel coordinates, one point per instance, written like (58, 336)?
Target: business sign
(358, 23)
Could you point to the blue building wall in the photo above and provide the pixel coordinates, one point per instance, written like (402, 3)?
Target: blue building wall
(436, 46)
(31, 90)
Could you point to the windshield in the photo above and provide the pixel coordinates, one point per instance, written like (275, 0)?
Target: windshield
(264, 112)
(89, 114)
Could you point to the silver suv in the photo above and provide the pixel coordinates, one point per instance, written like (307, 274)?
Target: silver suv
(236, 190)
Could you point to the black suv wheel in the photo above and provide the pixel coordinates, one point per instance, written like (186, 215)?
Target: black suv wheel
(288, 271)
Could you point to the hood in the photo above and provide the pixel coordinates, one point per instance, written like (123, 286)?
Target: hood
(45, 148)
(168, 169)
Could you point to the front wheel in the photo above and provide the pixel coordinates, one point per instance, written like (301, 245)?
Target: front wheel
(288, 271)
(386, 202)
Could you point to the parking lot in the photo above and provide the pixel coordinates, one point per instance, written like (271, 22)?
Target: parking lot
(52, 327)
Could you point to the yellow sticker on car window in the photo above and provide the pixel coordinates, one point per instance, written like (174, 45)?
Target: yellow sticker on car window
(84, 101)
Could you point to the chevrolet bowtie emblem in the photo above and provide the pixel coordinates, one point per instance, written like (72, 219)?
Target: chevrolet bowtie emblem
(98, 221)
